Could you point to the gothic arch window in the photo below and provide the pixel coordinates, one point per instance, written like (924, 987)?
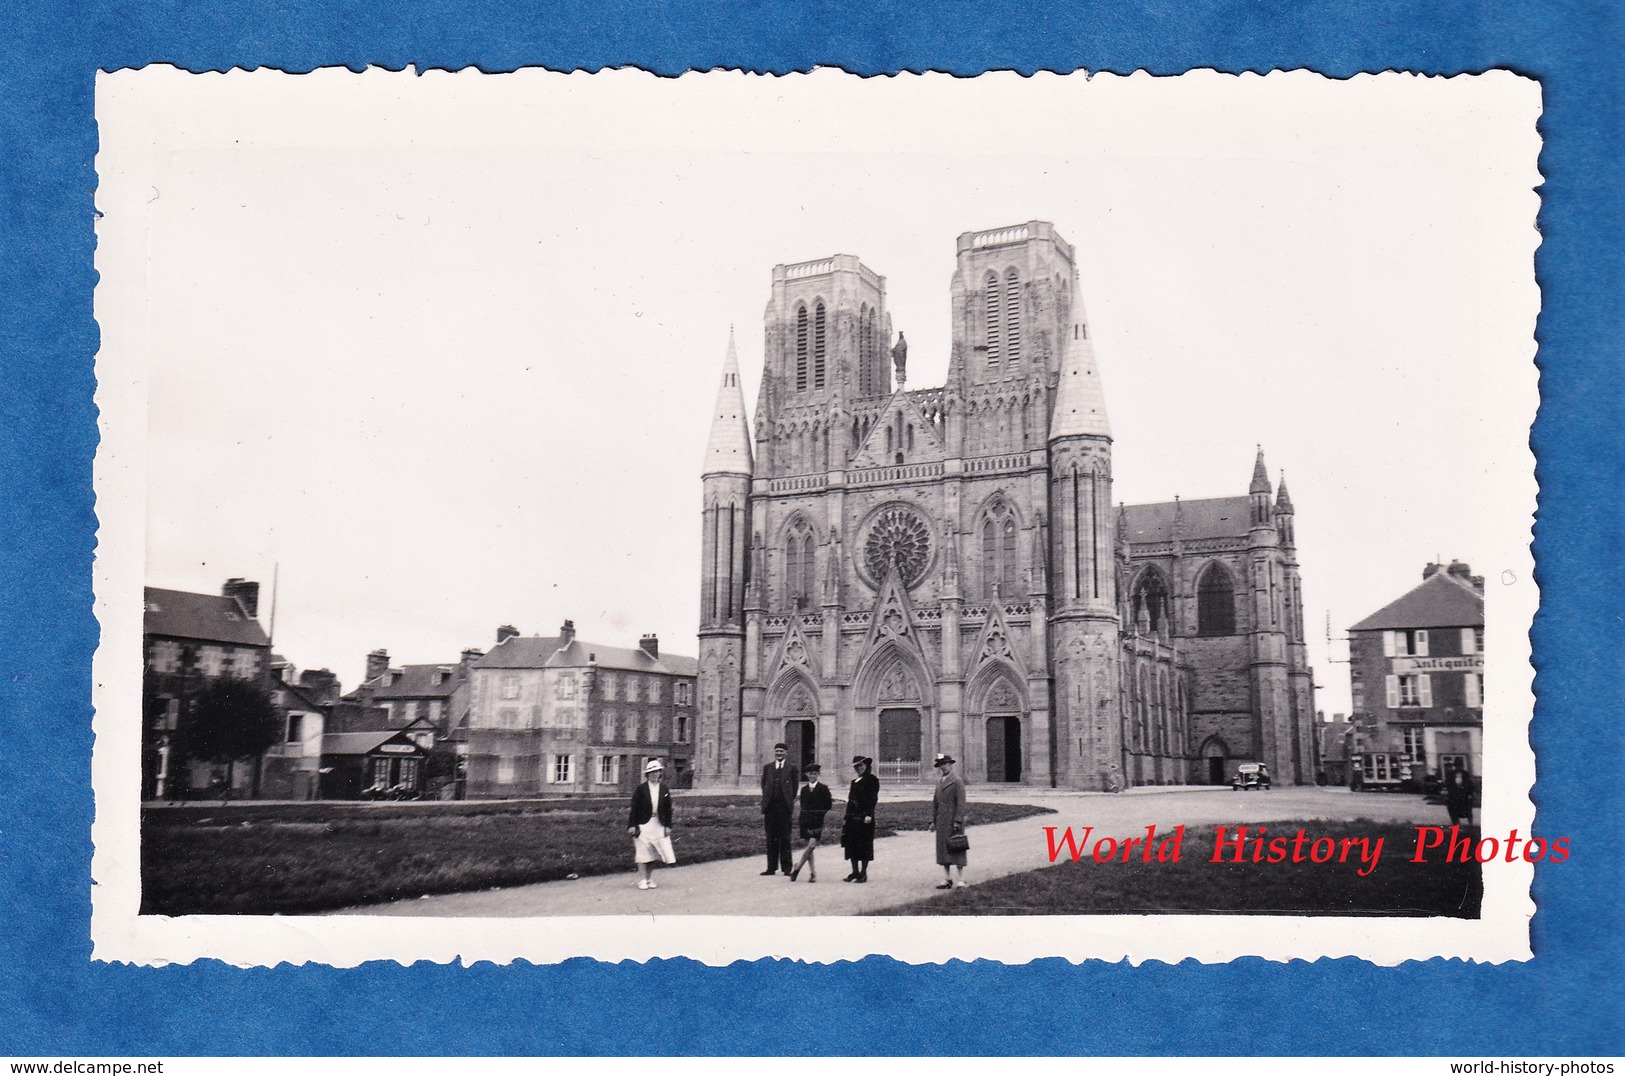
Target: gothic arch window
(866, 348)
(1000, 564)
(802, 334)
(1150, 602)
(1012, 317)
(995, 319)
(1215, 602)
(800, 566)
(819, 347)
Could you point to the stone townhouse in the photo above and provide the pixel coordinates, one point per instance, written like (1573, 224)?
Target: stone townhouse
(551, 715)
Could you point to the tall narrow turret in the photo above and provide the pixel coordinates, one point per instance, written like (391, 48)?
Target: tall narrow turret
(724, 542)
(1084, 615)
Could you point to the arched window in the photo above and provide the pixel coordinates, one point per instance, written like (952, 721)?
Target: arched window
(1150, 601)
(866, 349)
(801, 347)
(1215, 603)
(818, 345)
(1012, 317)
(995, 320)
(800, 567)
(1000, 565)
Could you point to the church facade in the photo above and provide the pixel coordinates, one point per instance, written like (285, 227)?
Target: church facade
(898, 572)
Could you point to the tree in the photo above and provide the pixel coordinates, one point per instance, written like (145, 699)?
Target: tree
(228, 720)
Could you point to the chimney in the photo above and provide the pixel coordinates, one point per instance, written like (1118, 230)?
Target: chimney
(506, 632)
(650, 644)
(567, 633)
(323, 684)
(1432, 570)
(470, 656)
(1460, 570)
(246, 593)
(377, 663)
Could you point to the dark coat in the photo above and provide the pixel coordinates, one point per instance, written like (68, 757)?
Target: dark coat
(947, 813)
(1458, 794)
(642, 806)
(815, 804)
(858, 836)
(779, 786)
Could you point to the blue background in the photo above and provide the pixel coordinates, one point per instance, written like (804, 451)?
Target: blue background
(55, 1001)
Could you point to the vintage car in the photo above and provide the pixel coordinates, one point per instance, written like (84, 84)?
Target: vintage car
(1251, 775)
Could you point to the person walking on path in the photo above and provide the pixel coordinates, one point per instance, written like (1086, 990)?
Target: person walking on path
(1458, 795)
(815, 804)
(948, 820)
(779, 785)
(649, 823)
(858, 830)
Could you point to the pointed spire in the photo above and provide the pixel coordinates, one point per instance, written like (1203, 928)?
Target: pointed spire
(1283, 503)
(1080, 402)
(1261, 476)
(728, 450)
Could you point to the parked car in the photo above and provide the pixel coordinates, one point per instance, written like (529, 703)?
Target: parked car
(1251, 775)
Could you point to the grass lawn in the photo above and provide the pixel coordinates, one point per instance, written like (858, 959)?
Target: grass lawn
(1196, 885)
(264, 858)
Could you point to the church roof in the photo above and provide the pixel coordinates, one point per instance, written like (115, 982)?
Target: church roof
(1442, 601)
(728, 449)
(1080, 402)
(1215, 517)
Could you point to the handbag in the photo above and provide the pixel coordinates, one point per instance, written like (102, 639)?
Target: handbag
(957, 840)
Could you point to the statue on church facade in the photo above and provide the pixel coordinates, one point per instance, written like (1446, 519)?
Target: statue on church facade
(899, 358)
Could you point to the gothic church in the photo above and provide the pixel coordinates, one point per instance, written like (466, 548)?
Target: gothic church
(897, 572)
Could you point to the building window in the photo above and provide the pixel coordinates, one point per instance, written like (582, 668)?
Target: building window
(1408, 643)
(1472, 640)
(800, 567)
(609, 686)
(995, 319)
(609, 770)
(633, 732)
(296, 728)
(1474, 685)
(1215, 603)
(1012, 317)
(508, 717)
(654, 728)
(819, 347)
(505, 770)
(409, 772)
(1414, 749)
(606, 727)
(801, 348)
(685, 693)
(682, 729)
(510, 685)
(380, 773)
(1150, 603)
(561, 769)
(1411, 690)
(1000, 564)
(565, 688)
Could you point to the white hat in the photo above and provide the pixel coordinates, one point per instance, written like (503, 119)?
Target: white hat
(652, 765)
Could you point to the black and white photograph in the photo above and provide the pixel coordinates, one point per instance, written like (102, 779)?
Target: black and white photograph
(812, 516)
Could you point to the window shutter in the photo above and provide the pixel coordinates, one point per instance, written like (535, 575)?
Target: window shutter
(1425, 689)
(1469, 641)
(1475, 693)
(1393, 692)
(1388, 645)
(1421, 644)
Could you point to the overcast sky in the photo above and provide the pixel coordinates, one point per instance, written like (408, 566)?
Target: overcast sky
(440, 351)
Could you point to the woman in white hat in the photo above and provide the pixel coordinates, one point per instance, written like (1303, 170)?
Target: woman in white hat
(649, 823)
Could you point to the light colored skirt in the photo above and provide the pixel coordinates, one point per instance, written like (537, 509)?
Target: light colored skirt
(651, 845)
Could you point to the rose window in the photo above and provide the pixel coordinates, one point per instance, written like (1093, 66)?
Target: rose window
(898, 537)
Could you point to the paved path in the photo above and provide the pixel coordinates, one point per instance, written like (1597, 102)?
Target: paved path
(905, 869)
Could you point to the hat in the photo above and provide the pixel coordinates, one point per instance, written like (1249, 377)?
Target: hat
(652, 765)
(942, 760)
(813, 767)
(862, 760)
(781, 747)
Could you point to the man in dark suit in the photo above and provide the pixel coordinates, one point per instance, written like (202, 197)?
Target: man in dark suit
(780, 783)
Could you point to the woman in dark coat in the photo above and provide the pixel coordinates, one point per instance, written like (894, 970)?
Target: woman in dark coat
(858, 832)
(948, 818)
(1458, 795)
(815, 804)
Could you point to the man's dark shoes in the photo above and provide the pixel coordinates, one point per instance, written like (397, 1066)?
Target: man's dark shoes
(769, 874)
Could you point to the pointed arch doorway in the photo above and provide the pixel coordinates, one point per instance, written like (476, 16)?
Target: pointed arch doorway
(900, 744)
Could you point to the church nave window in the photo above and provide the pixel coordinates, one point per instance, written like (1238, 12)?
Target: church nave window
(1215, 603)
(999, 561)
(799, 568)
(1149, 607)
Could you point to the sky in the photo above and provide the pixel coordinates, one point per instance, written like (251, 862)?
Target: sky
(438, 353)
